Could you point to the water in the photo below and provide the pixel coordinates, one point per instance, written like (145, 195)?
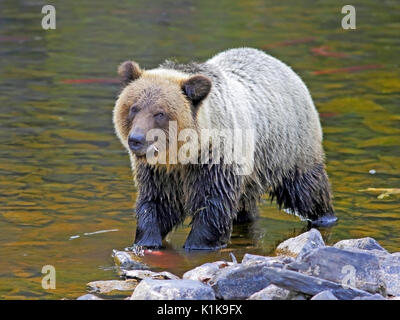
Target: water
(63, 173)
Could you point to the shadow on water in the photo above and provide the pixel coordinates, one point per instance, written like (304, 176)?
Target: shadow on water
(64, 175)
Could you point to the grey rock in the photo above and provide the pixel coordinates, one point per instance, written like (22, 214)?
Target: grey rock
(143, 274)
(150, 289)
(273, 292)
(206, 271)
(278, 261)
(391, 273)
(324, 295)
(309, 285)
(376, 296)
(362, 243)
(89, 297)
(108, 286)
(238, 281)
(359, 269)
(301, 244)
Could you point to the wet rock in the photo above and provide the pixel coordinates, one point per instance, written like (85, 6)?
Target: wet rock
(359, 269)
(239, 281)
(150, 289)
(301, 244)
(89, 297)
(206, 271)
(309, 285)
(324, 295)
(108, 286)
(127, 260)
(391, 273)
(143, 274)
(272, 292)
(376, 296)
(362, 243)
(279, 261)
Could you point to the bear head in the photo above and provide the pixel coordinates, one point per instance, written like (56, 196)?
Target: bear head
(152, 100)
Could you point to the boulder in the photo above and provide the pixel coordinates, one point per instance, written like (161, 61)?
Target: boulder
(301, 244)
(272, 292)
(362, 243)
(108, 286)
(324, 295)
(278, 261)
(238, 281)
(206, 271)
(309, 285)
(149, 289)
(359, 269)
(143, 274)
(391, 273)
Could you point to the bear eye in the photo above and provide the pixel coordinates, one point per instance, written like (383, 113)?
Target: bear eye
(159, 115)
(132, 111)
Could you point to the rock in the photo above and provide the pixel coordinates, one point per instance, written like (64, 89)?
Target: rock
(309, 285)
(206, 271)
(150, 289)
(376, 296)
(391, 273)
(238, 281)
(89, 297)
(324, 295)
(127, 260)
(143, 274)
(278, 261)
(359, 269)
(362, 243)
(301, 244)
(108, 286)
(272, 292)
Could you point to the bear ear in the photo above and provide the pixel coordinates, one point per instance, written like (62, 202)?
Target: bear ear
(196, 88)
(129, 71)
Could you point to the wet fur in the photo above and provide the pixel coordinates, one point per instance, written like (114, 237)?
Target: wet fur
(249, 90)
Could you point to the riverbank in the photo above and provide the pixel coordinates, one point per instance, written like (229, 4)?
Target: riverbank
(304, 268)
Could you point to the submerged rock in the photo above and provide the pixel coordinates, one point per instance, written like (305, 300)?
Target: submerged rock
(324, 295)
(144, 274)
(272, 292)
(301, 244)
(127, 260)
(150, 289)
(206, 271)
(108, 286)
(361, 270)
(362, 243)
(89, 297)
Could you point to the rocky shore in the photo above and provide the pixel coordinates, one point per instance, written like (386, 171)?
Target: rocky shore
(304, 268)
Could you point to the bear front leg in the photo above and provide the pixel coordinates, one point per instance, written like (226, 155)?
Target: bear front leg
(212, 194)
(158, 207)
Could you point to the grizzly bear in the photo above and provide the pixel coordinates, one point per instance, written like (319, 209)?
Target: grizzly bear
(237, 89)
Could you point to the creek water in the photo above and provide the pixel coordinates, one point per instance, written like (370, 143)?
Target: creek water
(64, 174)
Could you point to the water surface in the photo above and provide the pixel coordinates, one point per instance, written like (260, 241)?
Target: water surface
(63, 173)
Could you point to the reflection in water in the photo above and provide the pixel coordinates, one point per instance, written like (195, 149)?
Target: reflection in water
(63, 172)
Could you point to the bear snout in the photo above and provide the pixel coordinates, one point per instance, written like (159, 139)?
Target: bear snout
(137, 143)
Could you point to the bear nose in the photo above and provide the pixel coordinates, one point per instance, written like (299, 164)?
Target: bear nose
(136, 141)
